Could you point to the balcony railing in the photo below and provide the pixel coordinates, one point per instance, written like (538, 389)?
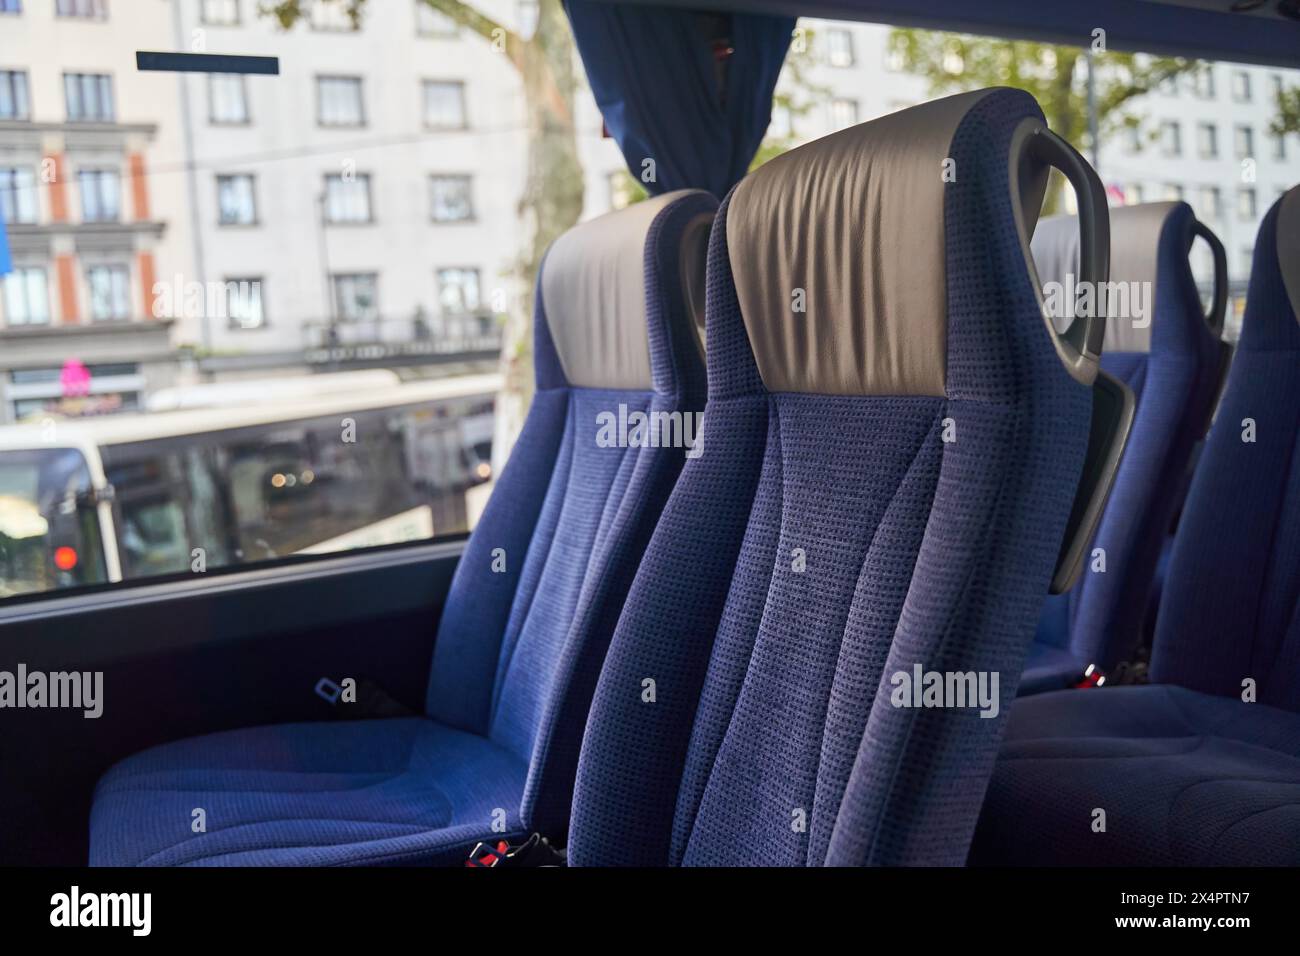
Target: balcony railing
(368, 339)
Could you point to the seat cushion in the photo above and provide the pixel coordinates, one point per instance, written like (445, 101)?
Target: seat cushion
(1049, 668)
(319, 794)
(1184, 778)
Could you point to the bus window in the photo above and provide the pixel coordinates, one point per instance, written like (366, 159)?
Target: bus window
(151, 530)
(49, 533)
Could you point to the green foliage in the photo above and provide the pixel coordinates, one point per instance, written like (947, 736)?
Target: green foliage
(1288, 112)
(1056, 75)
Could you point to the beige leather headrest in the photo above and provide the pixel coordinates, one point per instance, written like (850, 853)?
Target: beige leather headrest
(593, 291)
(837, 251)
(1134, 255)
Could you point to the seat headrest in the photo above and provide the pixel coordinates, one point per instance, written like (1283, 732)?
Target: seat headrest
(838, 252)
(598, 287)
(1143, 239)
(1288, 246)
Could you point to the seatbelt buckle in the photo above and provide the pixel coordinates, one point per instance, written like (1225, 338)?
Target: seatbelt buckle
(1093, 676)
(535, 851)
(328, 691)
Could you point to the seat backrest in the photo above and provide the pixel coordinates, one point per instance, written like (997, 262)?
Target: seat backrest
(620, 382)
(892, 448)
(1162, 344)
(1230, 610)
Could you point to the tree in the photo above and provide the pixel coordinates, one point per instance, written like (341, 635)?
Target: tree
(1053, 73)
(552, 195)
(1288, 112)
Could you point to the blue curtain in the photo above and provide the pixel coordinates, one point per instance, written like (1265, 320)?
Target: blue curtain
(666, 96)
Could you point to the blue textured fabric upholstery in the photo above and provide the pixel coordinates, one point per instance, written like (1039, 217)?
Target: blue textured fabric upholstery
(515, 662)
(354, 792)
(1188, 771)
(743, 715)
(1100, 620)
(1185, 779)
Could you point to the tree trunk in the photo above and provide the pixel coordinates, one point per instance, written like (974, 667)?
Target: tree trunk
(551, 202)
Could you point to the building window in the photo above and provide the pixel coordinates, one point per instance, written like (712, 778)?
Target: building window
(839, 47)
(11, 6)
(433, 23)
(219, 13)
(356, 296)
(1171, 138)
(1279, 146)
(244, 303)
(13, 95)
(347, 198)
(339, 102)
(1133, 194)
(1207, 140)
(18, 194)
(110, 292)
(1173, 192)
(1134, 135)
(227, 99)
(236, 204)
(1168, 86)
(27, 299)
(1246, 204)
(1210, 202)
(89, 97)
(82, 9)
(1247, 259)
(458, 291)
(444, 104)
(451, 198)
(331, 16)
(1244, 137)
(844, 113)
(1241, 86)
(1203, 83)
(101, 195)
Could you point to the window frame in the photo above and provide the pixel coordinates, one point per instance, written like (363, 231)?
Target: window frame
(222, 178)
(354, 81)
(358, 179)
(240, 81)
(462, 89)
(337, 279)
(96, 176)
(104, 93)
(115, 269)
(468, 180)
(15, 190)
(232, 323)
(27, 322)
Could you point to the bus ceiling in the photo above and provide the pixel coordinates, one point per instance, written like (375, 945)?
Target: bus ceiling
(1266, 32)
